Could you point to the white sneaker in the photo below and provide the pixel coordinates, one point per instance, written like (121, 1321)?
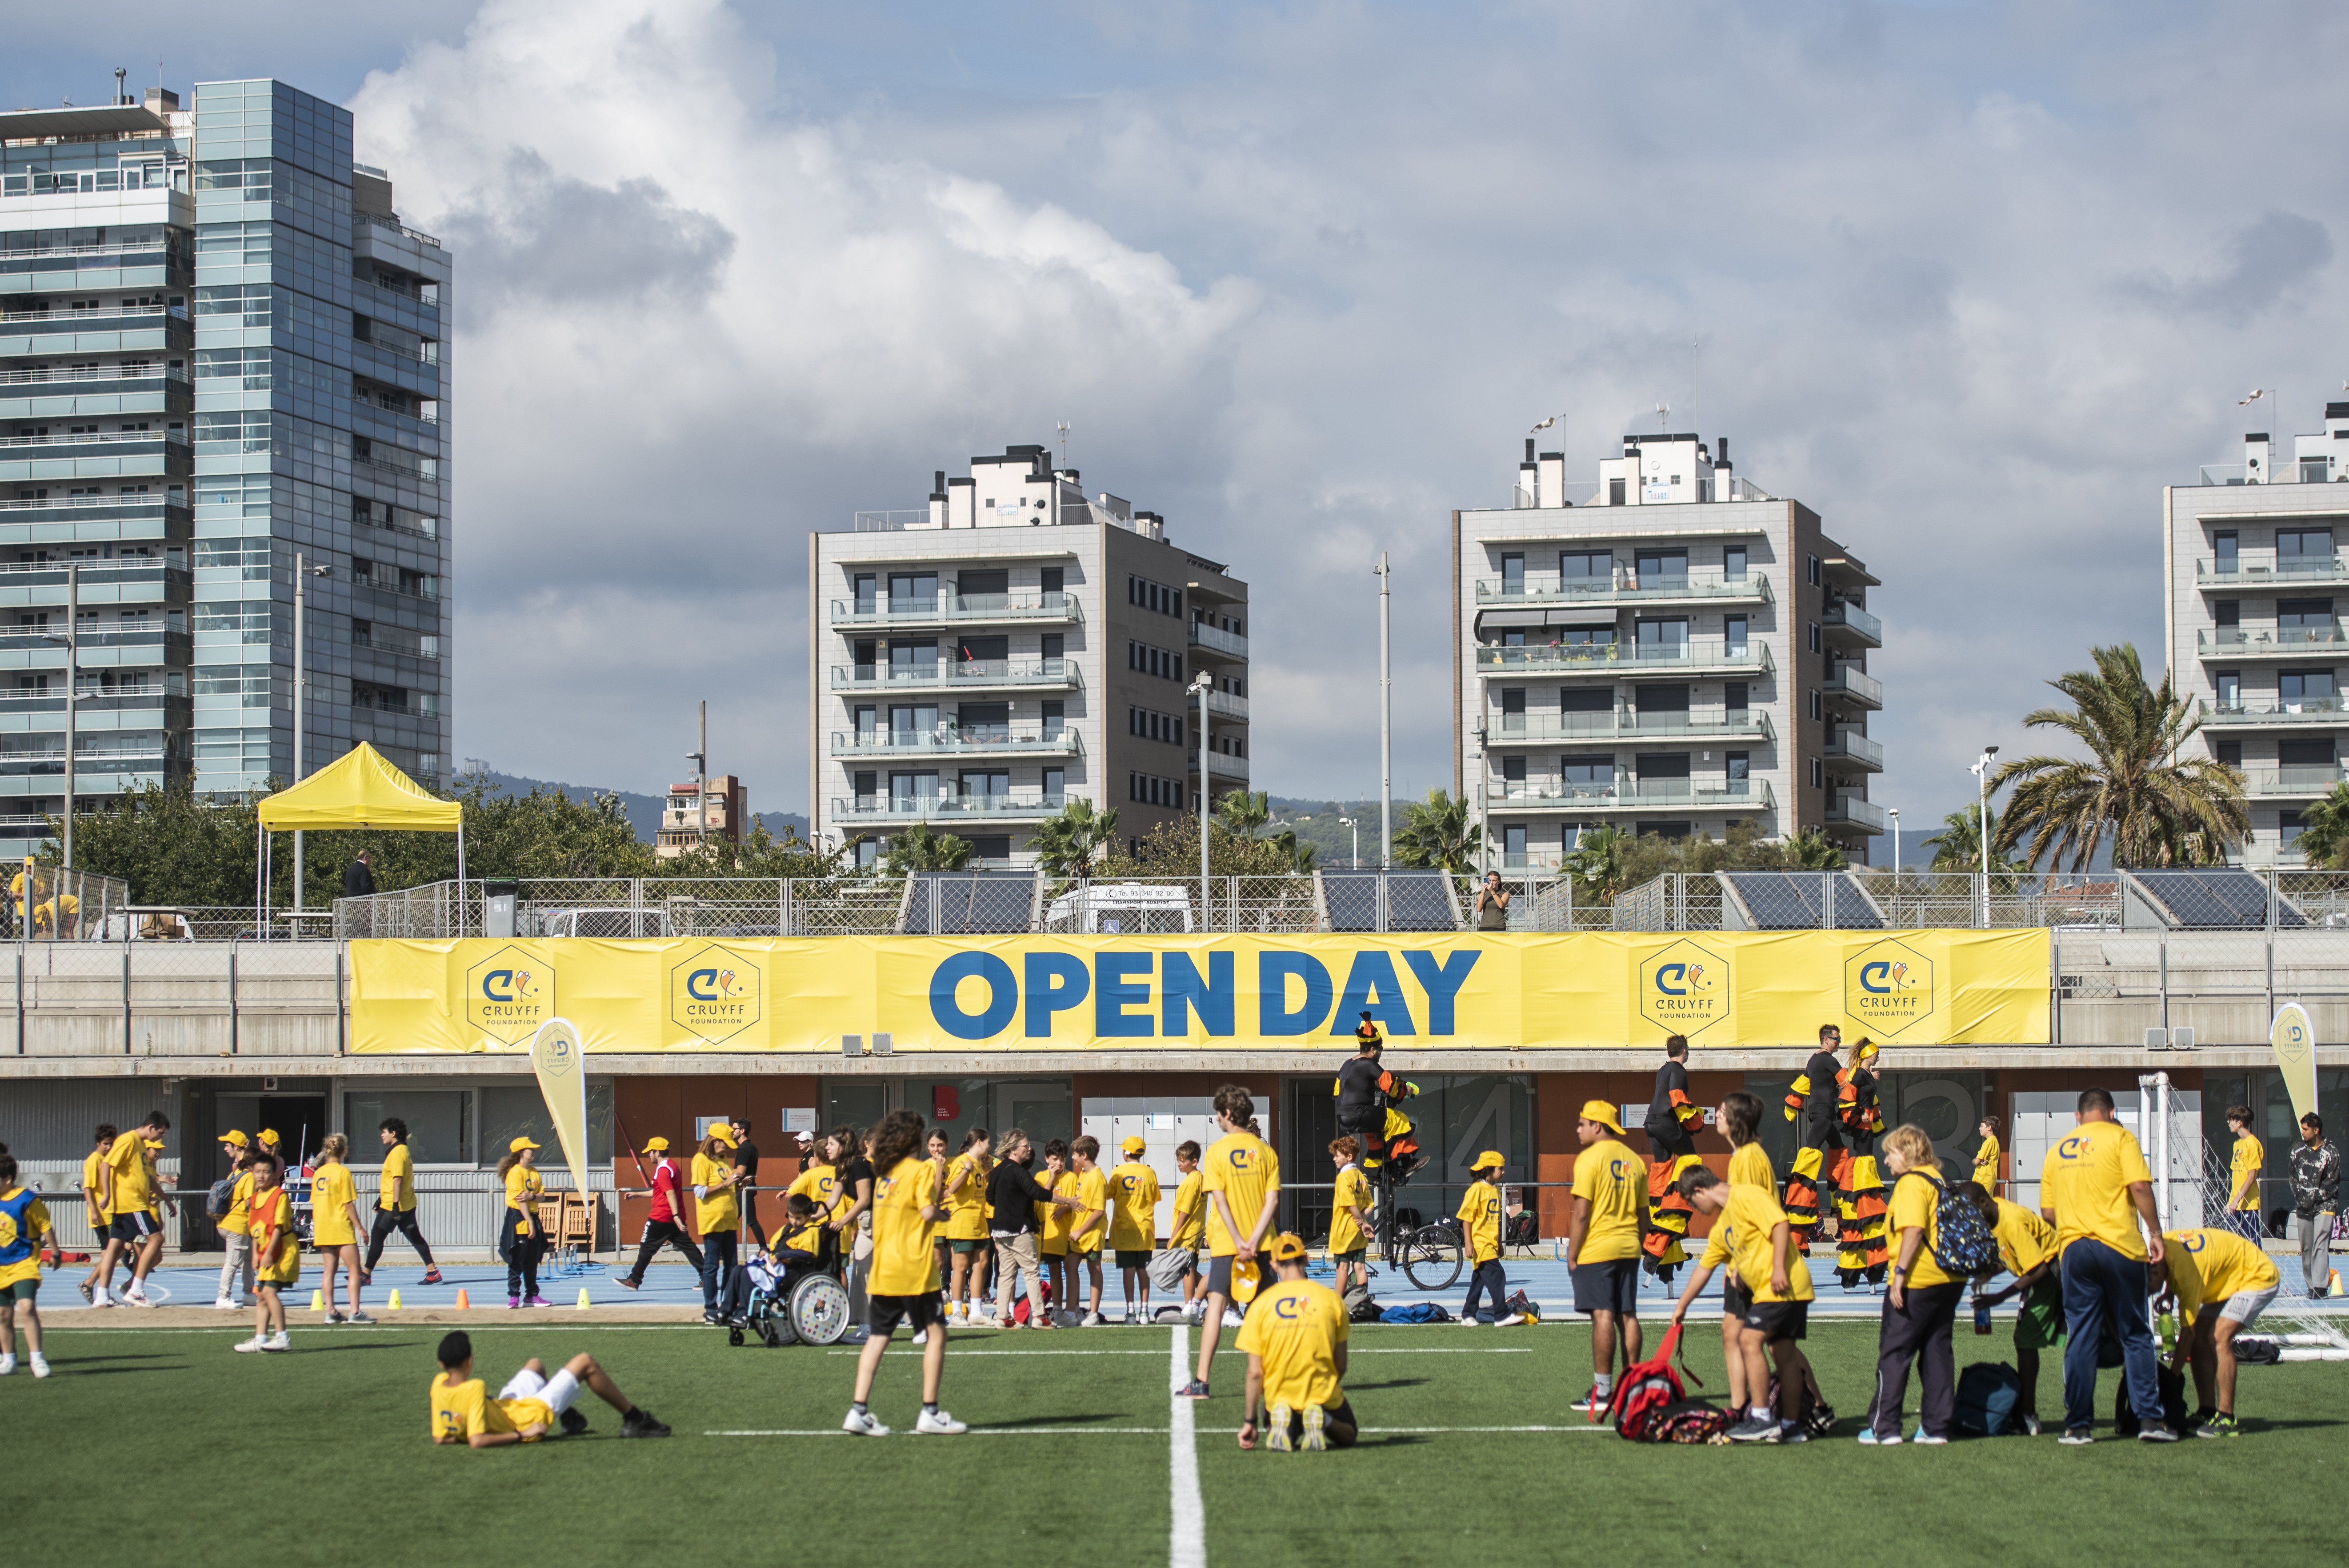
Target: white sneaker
(863, 1424)
(255, 1343)
(1092, 1320)
(40, 1365)
(922, 1336)
(1511, 1321)
(225, 1304)
(103, 1301)
(7, 1366)
(937, 1423)
(1232, 1317)
(277, 1341)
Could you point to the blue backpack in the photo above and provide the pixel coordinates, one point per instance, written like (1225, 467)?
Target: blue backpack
(1962, 1243)
(1987, 1392)
(1417, 1312)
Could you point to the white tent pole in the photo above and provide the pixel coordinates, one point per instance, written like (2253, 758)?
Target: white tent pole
(461, 876)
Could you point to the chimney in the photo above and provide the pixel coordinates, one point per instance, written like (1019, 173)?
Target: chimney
(1529, 448)
(938, 485)
(1721, 447)
(162, 100)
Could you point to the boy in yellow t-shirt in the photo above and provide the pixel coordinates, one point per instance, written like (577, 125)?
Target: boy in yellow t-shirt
(531, 1406)
(1091, 1224)
(1480, 1236)
(1351, 1224)
(1133, 1225)
(1986, 1157)
(1295, 1340)
(276, 1253)
(2026, 1249)
(1240, 1181)
(1186, 1225)
(967, 1225)
(1761, 1247)
(2222, 1284)
(2249, 1158)
(1603, 1234)
(1052, 1223)
(25, 1232)
(127, 1192)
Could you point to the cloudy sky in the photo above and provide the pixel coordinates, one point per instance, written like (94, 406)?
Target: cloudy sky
(1972, 280)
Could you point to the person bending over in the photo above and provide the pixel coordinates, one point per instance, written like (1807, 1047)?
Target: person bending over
(531, 1406)
(1295, 1340)
(1762, 1252)
(2222, 1283)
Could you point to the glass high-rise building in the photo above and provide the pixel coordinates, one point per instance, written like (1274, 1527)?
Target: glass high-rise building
(221, 352)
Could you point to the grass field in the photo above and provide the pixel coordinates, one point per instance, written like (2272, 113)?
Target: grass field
(179, 1441)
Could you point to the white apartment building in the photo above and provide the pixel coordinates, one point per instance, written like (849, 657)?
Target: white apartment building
(1015, 646)
(1668, 650)
(2252, 623)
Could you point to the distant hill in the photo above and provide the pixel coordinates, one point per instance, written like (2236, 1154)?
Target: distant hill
(644, 811)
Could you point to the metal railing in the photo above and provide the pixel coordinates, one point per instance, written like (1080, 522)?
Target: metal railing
(1858, 811)
(1849, 680)
(1203, 636)
(922, 807)
(2323, 713)
(1225, 705)
(892, 521)
(1594, 658)
(1852, 745)
(97, 438)
(951, 741)
(1851, 617)
(1038, 606)
(1623, 585)
(2290, 782)
(2252, 574)
(2280, 642)
(1550, 795)
(381, 221)
(103, 312)
(949, 673)
(98, 373)
(1625, 723)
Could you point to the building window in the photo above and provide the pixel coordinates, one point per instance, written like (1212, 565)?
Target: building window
(1815, 636)
(1814, 570)
(1818, 775)
(1816, 711)
(1733, 564)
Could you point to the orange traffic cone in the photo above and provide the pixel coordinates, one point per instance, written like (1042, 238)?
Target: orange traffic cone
(462, 1303)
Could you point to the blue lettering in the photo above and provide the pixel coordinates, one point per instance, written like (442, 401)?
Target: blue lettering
(1272, 973)
(1872, 976)
(1373, 986)
(1056, 982)
(697, 980)
(1003, 996)
(1676, 972)
(1120, 980)
(1183, 993)
(489, 983)
(1440, 984)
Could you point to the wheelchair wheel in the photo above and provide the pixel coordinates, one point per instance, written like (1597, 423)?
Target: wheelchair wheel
(1430, 1257)
(775, 1330)
(818, 1310)
(733, 1336)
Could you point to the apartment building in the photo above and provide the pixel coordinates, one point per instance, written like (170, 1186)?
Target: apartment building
(2252, 623)
(218, 349)
(688, 821)
(1012, 646)
(1667, 650)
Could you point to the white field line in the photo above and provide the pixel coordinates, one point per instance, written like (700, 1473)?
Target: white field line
(1374, 1350)
(1186, 1533)
(975, 1432)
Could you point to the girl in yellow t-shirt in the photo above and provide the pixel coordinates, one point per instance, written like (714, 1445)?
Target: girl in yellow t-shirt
(522, 1241)
(966, 1227)
(1052, 1221)
(335, 1223)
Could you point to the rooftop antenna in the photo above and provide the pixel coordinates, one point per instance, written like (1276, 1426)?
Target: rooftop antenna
(1663, 416)
(1694, 345)
(1064, 443)
(120, 96)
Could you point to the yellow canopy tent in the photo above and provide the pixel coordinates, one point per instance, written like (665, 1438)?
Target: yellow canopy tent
(359, 790)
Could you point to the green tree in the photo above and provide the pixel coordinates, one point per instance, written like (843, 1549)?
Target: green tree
(1958, 846)
(1069, 845)
(1172, 850)
(2157, 808)
(1810, 850)
(1244, 815)
(1599, 864)
(922, 848)
(2325, 831)
(1437, 834)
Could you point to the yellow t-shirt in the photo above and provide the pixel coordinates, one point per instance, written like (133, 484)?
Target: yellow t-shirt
(807, 1238)
(2212, 1265)
(90, 1164)
(1614, 1179)
(1749, 1165)
(1092, 1194)
(819, 1185)
(1296, 1327)
(1914, 1200)
(1134, 1218)
(2024, 1240)
(1353, 1192)
(2250, 1158)
(721, 1210)
(1752, 1214)
(1052, 1221)
(2086, 1180)
(1480, 1217)
(238, 1221)
(127, 1158)
(905, 1258)
(467, 1411)
(20, 1257)
(1986, 1164)
(330, 1188)
(965, 1206)
(273, 1216)
(399, 1165)
(1190, 1199)
(523, 1185)
(1244, 1170)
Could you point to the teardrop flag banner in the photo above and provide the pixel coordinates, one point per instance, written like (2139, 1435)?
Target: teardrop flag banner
(557, 1056)
(2295, 1040)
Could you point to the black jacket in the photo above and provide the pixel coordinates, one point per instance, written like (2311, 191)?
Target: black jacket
(1014, 1193)
(360, 880)
(2315, 1179)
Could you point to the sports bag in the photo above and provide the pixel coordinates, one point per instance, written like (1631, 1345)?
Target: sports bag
(2172, 1384)
(1168, 1265)
(1524, 1306)
(1360, 1307)
(221, 1197)
(1963, 1245)
(1987, 1392)
(1651, 1407)
(1417, 1312)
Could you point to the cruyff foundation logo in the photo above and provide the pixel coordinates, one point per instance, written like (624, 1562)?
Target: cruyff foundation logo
(1684, 989)
(509, 994)
(715, 995)
(1887, 986)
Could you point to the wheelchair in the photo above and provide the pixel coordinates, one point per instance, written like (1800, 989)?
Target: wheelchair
(790, 1303)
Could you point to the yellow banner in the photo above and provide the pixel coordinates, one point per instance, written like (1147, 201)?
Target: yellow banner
(556, 1055)
(1475, 991)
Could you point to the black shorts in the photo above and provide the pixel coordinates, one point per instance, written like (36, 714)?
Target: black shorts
(1133, 1257)
(1609, 1287)
(135, 1226)
(1779, 1319)
(1737, 1300)
(884, 1313)
(1219, 1275)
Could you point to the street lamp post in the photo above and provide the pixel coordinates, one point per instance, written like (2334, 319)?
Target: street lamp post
(1203, 683)
(1355, 823)
(73, 676)
(302, 572)
(1386, 725)
(1982, 823)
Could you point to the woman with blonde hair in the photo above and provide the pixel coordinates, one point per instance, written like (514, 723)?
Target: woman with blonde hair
(522, 1241)
(1921, 1302)
(335, 1223)
(719, 1215)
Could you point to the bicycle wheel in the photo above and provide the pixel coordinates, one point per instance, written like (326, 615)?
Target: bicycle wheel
(1430, 1258)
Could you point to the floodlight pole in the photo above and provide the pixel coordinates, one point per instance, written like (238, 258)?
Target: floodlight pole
(1386, 725)
(302, 572)
(1202, 683)
(1981, 825)
(73, 678)
(701, 795)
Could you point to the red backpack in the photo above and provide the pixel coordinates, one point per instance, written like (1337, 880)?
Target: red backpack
(1651, 1407)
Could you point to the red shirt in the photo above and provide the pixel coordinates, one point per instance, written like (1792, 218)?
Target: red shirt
(665, 1191)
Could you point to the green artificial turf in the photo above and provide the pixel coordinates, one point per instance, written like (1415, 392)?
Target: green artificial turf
(182, 1439)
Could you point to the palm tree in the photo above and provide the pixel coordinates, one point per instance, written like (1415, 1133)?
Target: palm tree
(2160, 809)
(920, 848)
(1958, 846)
(1242, 814)
(1067, 845)
(1598, 862)
(1811, 850)
(1437, 835)
(2325, 831)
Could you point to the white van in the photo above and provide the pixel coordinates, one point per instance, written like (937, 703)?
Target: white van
(1121, 909)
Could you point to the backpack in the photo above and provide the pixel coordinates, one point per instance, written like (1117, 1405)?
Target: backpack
(2252, 1351)
(2173, 1404)
(1524, 1229)
(1360, 1307)
(1522, 1305)
(1651, 1407)
(1169, 1266)
(1963, 1243)
(1987, 1392)
(1019, 1308)
(1417, 1312)
(221, 1195)
(1817, 1417)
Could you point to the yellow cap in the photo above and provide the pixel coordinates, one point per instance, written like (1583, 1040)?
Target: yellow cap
(519, 1144)
(656, 1145)
(1135, 1145)
(152, 1142)
(1247, 1278)
(1489, 1158)
(1289, 1247)
(1599, 1111)
(269, 1136)
(233, 1136)
(724, 1138)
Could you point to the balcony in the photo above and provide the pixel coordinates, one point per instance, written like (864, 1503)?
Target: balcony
(1847, 623)
(2292, 783)
(116, 699)
(2316, 713)
(861, 809)
(1696, 656)
(957, 610)
(1222, 765)
(1513, 729)
(93, 634)
(1852, 685)
(1853, 749)
(1856, 811)
(2281, 643)
(1624, 588)
(952, 741)
(62, 380)
(968, 675)
(1223, 704)
(19, 578)
(1215, 639)
(110, 444)
(14, 325)
(2238, 575)
(1512, 796)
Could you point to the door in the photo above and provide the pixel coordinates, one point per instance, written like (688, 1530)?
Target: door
(1512, 710)
(984, 721)
(913, 592)
(1664, 639)
(1661, 707)
(988, 781)
(977, 592)
(1665, 568)
(914, 661)
(911, 723)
